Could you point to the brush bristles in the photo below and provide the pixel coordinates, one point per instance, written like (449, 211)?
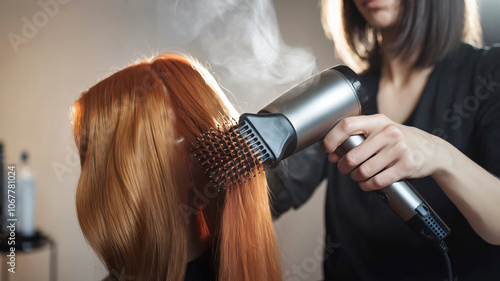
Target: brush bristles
(226, 156)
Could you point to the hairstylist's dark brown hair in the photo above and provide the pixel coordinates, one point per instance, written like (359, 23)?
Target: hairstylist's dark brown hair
(133, 131)
(437, 27)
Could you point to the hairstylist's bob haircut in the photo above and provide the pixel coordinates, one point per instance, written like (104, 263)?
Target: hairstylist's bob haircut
(438, 26)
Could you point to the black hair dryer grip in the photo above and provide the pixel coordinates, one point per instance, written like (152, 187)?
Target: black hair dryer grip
(405, 201)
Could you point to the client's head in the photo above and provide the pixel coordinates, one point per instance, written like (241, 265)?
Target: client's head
(141, 193)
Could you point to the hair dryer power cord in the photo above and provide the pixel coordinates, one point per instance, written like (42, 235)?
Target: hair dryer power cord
(443, 248)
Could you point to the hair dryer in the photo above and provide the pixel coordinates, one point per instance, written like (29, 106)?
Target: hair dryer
(303, 116)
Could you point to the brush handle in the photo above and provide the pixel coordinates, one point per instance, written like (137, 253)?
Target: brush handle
(405, 201)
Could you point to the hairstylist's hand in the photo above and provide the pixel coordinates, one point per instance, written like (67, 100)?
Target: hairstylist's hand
(403, 151)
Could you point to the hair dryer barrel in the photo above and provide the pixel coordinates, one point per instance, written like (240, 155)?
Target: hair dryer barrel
(317, 104)
(304, 114)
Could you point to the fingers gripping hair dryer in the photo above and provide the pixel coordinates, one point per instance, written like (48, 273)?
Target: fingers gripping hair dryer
(304, 114)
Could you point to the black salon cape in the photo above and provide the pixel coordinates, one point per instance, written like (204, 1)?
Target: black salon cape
(201, 268)
(366, 240)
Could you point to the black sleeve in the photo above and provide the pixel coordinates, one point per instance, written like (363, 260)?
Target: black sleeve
(487, 123)
(294, 180)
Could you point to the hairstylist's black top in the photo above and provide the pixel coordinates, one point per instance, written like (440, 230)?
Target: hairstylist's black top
(461, 104)
(201, 269)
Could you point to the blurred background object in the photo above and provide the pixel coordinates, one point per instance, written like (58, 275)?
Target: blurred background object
(26, 197)
(52, 50)
(490, 21)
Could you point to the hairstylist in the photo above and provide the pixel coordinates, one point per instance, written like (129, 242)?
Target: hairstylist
(434, 118)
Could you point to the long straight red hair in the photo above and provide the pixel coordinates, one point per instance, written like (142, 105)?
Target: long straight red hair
(133, 131)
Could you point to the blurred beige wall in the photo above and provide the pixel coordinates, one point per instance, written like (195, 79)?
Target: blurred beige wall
(70, 50)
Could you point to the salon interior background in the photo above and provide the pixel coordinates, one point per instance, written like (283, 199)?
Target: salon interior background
(74, 43)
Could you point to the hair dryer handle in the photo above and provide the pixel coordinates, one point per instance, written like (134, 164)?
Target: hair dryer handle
(405, 201)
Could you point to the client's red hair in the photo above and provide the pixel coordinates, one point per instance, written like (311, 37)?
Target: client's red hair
(133, 131)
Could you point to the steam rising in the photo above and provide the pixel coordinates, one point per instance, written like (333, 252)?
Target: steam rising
(241, 41)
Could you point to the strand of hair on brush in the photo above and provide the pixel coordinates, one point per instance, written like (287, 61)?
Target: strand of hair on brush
(225, 155)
